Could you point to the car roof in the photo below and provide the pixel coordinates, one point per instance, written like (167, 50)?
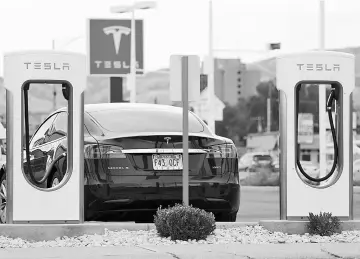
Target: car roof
(125, 106)
(97, 107)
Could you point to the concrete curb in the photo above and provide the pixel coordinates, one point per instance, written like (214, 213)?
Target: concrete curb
(46, 232)
(299, 227)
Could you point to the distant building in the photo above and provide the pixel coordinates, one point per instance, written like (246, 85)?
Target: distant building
(233, 81)
(262, 141)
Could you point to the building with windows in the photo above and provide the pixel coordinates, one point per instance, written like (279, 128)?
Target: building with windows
(233, 81)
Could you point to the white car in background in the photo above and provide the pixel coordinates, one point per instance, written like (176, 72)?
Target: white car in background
(356, 170)
(253, 161)
(310, 168)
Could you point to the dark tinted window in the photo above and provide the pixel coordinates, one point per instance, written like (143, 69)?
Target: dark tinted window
(145, 120)
(40, 135)
(59, 129)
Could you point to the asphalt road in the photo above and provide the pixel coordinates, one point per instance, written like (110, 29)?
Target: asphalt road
(261, 203)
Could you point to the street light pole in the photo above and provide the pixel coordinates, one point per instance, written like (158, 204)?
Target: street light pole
(211, 87)
(131, 83)
(54, 48)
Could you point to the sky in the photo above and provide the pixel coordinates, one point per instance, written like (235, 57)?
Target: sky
(182, 26)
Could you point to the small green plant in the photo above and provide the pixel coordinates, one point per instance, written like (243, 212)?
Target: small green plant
(323, 224)
(183, 222)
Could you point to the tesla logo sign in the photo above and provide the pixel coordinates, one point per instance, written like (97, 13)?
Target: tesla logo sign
(47, 66)
(117, 32)
(109, 51)
(319, 67)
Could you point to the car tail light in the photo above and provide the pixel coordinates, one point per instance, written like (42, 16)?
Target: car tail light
(223, 151)
(95, 151)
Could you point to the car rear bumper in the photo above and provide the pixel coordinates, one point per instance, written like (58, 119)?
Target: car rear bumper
(103, 199)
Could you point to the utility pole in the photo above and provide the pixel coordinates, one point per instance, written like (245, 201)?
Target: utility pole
(322, 98)
(259, 126)
(272, 46)
(269, 108)
(54, 87)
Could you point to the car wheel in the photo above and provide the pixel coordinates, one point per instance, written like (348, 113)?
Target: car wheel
(3, 199)
(55, 179)
(227, 217)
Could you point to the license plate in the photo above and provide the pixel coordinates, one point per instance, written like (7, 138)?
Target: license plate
(167, 162)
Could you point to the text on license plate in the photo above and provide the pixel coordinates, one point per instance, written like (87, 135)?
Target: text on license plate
(167, 162)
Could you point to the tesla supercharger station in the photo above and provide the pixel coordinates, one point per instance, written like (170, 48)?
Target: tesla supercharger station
(25, 202)
(300, 193)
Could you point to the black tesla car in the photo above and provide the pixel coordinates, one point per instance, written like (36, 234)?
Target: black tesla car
(133, 161)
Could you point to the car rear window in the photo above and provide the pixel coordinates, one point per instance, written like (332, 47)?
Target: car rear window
(145, 120)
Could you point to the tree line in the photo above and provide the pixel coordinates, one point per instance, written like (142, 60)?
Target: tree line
(249, 113)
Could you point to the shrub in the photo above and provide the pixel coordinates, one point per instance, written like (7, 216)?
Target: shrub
(184, 222)
(160, 220)
(323, 224)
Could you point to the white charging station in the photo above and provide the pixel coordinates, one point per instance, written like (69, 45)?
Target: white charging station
(298, 198)
(25, 202)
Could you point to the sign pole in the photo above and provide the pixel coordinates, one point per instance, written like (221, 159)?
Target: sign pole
(116, 90)
(185, 86)
(132, 76)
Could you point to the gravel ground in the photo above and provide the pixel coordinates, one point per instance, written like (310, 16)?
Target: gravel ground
(247, 235)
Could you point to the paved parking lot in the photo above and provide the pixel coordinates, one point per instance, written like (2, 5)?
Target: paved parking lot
(258, 203)
(261, 203)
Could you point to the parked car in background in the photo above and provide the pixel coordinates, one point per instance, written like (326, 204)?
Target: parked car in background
(356, 170)
(276, 165)
(255, 161)
(311, 169)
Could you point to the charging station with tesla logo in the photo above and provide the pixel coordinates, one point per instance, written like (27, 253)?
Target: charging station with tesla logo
(301, 192)
(28, 201)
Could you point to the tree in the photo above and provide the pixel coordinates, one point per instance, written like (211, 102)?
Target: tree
(257, 106)
(235, 121)
(308, 103)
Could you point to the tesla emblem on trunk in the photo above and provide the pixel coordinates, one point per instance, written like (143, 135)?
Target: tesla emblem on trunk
(167, 140)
